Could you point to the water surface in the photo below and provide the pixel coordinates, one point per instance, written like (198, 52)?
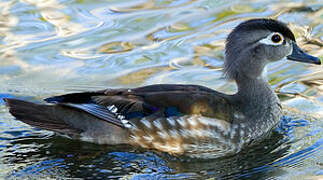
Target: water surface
(51, 47)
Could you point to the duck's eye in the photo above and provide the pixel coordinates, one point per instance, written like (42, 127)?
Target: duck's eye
(276, 38)
(273, 39)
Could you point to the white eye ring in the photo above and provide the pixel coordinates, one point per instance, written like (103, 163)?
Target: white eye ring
(269, 39)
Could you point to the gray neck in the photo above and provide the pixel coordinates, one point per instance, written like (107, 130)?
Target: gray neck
(254, 88)
(257, 108)
(255, 98)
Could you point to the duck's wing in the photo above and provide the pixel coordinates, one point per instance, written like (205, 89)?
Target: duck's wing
(115, 105)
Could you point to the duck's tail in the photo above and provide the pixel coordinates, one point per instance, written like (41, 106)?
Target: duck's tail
(68, 121)
(39, 115)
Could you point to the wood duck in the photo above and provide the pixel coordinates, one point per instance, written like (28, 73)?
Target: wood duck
(189, 120)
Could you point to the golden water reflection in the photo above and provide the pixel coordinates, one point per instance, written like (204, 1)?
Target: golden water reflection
(52, 12)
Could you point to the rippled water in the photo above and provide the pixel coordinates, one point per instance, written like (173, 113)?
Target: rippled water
(50, 47)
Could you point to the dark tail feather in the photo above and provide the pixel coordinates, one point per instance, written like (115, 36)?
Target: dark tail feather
(38, 115)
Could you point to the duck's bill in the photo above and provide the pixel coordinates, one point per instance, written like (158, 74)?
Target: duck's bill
(299, 55)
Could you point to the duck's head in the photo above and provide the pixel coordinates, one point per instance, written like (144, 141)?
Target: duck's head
(255, 43)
